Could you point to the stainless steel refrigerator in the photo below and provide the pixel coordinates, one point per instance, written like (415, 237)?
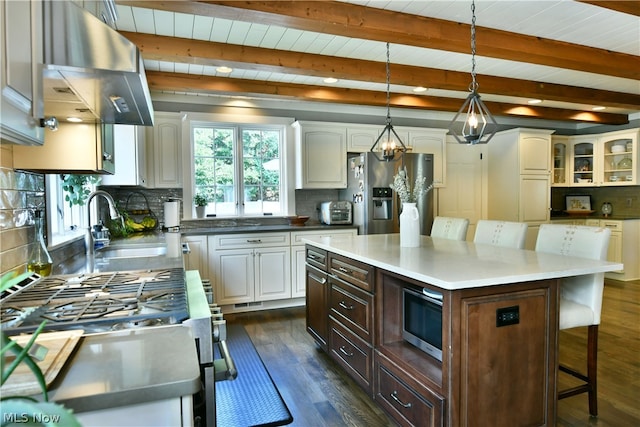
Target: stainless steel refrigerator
(376, 207)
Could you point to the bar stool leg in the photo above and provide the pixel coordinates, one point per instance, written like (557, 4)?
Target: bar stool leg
(592, 368)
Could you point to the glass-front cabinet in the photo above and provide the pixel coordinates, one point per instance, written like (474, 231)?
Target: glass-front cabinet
(608, 159)
(560, 161)
(584, 165)
(620, 158)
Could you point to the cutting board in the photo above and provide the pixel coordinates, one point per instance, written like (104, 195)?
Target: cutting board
(60, 345)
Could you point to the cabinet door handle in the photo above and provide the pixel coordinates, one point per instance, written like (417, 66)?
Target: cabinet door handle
(345, 352)
(320, 280)
(344, 270)
(345, 306)
(394, 396)
(254, 241)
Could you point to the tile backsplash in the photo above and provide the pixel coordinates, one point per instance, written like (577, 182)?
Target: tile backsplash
(625, 200)
(20, 194)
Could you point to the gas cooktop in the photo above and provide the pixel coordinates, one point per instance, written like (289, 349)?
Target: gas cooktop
(95, 302)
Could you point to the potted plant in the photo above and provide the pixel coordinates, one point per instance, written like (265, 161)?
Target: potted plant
(27, 409)
(76, 187)
(200, 200)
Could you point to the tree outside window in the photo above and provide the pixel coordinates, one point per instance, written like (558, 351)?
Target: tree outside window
(239, 169)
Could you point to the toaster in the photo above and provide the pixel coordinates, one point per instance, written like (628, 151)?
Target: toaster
(337, 212)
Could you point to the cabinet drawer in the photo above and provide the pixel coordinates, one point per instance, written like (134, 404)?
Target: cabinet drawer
(352, 307)
(354, 272)
(353, 354)
(409, 405)
(238, 241)
(613, 225)
(316, 257)
(297, 236)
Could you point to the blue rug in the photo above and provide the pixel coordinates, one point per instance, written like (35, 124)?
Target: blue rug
(252, 399)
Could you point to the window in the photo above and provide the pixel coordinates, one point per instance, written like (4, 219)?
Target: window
(65, 222)
(239, 168)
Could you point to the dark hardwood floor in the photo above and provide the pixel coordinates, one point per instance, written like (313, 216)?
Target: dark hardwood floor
(319, 393)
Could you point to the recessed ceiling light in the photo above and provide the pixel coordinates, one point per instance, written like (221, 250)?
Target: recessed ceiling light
(223, 69)
(599, 108)
(330, 80)
(534, 101)
(74, 119)
(420, 89)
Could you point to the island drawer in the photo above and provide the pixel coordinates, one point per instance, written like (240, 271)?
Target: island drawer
(406, 400)
(353, 354)
(354, 272)
(353, 307)
(316, 257)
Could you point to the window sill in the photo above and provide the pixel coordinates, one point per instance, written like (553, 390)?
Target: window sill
(59, 240)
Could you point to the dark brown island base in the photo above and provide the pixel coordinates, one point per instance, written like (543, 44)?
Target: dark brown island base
(483, 321)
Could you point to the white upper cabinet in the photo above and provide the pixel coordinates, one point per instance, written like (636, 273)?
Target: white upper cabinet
(360, 139)
(164, 151)
(321, 155)
(519, 176)
(429, 141)
(22, 104)
(608, 159)
(619, 157)
(129, 158)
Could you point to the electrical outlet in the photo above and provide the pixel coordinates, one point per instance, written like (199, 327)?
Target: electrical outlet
(629, 202)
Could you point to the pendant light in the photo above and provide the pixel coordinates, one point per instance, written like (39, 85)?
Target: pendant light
(478, 126)
(388, 143)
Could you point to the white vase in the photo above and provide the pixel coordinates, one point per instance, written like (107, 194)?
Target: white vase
(200, 211)
(409, 226)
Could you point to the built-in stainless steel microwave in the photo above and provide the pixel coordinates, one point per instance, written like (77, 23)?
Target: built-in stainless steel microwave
(422, 320)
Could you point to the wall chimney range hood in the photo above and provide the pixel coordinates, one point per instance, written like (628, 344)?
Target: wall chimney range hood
(90, 71)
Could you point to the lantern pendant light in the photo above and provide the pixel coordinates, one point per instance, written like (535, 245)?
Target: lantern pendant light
(388, 143)
(478, 126)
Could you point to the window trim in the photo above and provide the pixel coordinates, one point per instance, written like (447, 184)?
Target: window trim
(55, 198)
(238, 120)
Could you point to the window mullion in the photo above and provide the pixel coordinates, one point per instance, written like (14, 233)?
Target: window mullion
(239, 171)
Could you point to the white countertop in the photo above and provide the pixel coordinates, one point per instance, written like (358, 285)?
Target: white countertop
(454, 265)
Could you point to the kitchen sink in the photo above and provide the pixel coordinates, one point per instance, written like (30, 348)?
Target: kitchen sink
(133, 251)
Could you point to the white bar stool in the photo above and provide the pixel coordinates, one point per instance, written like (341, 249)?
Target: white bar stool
(501, 233)
(580, 296)
(450, 228)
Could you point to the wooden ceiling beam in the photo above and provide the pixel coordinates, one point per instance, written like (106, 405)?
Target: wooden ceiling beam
(178, 82)
(171, 49)
(363, 22)
(631, 7)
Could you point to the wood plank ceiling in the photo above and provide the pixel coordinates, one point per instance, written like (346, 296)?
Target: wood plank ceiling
(574, 56)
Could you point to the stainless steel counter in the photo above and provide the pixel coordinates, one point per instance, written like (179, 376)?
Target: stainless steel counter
(129, 367)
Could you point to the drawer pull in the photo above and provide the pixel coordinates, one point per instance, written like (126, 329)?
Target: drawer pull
(320, 280)
(345, 352)
(345, 306)
(345, 270)
(394, 396)
(254, 241)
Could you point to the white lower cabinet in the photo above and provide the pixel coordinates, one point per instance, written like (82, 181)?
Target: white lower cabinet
(624, 244)
(251, 271)
(250, 267)
(197, 258)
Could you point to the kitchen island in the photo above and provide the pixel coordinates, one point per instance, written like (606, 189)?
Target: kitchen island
(498, 336)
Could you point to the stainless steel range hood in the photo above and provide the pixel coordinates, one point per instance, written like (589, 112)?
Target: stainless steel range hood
(90, 70)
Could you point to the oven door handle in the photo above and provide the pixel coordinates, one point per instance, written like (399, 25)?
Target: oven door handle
(225, 368)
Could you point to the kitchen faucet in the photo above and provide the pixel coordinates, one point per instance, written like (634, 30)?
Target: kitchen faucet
(88, 240)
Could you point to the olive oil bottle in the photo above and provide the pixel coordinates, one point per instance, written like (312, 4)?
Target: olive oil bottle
(39, 259)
